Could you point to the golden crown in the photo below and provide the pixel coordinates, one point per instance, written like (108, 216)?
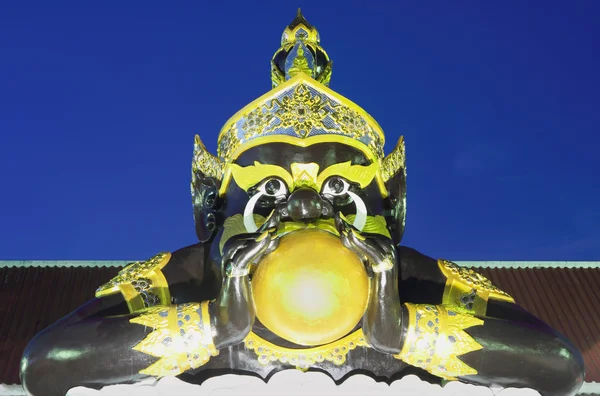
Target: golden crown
(299, 109)
(300, 51)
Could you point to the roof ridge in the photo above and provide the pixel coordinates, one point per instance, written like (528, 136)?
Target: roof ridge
(63, 263)
(589, 388)
(473, 264)
(530, 264)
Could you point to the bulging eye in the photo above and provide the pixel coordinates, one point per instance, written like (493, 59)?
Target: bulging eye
(335, 187)
(273, 188)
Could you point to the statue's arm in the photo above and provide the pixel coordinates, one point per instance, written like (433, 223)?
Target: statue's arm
(470, 330)
(95, 349)
(492, 339)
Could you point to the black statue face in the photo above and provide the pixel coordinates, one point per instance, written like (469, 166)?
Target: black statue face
(306, 185)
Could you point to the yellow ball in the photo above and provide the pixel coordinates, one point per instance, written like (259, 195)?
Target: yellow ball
(311, 290)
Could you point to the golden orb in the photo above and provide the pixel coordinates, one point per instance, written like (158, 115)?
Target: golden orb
(311, 290)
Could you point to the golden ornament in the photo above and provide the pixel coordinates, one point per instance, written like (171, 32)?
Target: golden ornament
(311, 290)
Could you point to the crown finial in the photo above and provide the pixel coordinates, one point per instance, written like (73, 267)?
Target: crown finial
(300, 20)
(300, 51)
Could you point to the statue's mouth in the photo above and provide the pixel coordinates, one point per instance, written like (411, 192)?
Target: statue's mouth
(234, 225)
(327, 225)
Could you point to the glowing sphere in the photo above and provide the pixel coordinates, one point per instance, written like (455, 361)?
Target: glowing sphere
(311, 290)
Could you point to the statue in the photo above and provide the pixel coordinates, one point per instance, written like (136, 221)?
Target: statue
(298, 265)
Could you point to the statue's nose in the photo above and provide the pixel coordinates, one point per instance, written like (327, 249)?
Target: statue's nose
(305, 204)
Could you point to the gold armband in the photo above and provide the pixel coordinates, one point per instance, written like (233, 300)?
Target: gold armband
(142, 284)
(468, 291)
(435, 338)
(182, 338)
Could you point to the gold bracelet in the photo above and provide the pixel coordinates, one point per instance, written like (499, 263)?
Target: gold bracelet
(435, 338)
(182, 338)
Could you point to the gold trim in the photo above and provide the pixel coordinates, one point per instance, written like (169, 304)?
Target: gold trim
(302, 359)
(307, 142)
(277, 78)
(205, 162)
(300, 64)
(141, 283)
(436, 337)
(395, 161)
(467, 290)
(207, 327)
(325, 76)
(311, 41)
(247, 177)
(226, 150)
(303, 175)
(289, 35)
(362, 175)
(181, 338)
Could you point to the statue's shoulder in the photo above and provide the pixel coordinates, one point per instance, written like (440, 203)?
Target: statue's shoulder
(150, 282)
(142, 283)
(461, 287)
(414, 264)
(467, 289)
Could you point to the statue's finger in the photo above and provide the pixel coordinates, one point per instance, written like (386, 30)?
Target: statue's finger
(341, 223)
(272, 245)
(346, 240)
(254, 249)
(368, 247)
(272, 222)
(232, 247)
(386, 245)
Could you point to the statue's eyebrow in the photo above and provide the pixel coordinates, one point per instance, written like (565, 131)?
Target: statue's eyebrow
(359, 174)
(249, 176)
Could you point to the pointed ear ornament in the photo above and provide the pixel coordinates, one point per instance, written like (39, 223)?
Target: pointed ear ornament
(394, 162)
(207, 172)
(205, 162)
(393, 169)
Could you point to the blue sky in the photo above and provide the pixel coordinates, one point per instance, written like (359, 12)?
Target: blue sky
(498, 103)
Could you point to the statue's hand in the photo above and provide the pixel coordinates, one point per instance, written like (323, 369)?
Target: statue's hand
(242, 250)
(378, 251)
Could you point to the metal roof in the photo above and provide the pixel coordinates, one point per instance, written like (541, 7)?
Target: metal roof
(567, 297)
(474, 264)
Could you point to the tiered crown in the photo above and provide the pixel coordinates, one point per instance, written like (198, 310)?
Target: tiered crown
(300, 51)
(300, 109)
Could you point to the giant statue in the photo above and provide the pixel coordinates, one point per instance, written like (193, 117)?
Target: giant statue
(298, 265)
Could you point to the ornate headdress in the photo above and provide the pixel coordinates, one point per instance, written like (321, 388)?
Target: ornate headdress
(300, 109)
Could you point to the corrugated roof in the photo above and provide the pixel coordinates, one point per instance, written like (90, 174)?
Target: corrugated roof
(32, 299)
(63, 263)
(477, 264)
(566, 298)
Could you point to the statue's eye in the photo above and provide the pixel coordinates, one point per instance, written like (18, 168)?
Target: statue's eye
(336, 186)
(273, 188)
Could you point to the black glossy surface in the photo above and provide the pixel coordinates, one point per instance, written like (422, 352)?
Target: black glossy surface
(92, 346)
(206, 202)
(305, 205)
